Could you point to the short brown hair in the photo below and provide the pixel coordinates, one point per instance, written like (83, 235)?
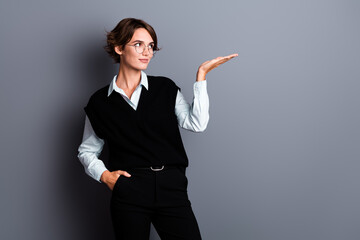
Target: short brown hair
(123, 33)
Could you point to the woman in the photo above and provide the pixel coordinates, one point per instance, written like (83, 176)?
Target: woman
(138, 116)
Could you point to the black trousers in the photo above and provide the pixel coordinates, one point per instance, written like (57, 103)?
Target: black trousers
(157, 197)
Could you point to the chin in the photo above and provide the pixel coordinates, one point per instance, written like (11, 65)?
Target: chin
(143, 67)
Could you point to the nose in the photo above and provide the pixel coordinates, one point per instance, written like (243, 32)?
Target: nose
(146, 51)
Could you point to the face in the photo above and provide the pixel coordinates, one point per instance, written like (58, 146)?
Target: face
(128, 55)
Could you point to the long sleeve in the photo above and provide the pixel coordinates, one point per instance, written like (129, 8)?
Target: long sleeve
(89, 151)
(194, 117)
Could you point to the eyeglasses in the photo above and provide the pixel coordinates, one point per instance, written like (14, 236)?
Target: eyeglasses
(140, 47)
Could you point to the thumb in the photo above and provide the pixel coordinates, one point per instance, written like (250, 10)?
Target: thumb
(126, 174)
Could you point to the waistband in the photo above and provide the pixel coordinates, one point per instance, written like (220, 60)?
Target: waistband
(155, 168)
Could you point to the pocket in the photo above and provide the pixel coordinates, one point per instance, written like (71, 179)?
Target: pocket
(117, 182)
(121, 187)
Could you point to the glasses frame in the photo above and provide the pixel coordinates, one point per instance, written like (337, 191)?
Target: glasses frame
(146, 47)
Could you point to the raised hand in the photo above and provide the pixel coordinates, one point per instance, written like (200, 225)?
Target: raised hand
(207, 66)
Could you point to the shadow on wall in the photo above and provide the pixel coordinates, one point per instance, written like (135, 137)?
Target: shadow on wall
(87, 200)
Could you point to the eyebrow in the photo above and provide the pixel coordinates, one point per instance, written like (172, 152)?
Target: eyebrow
(140, 41)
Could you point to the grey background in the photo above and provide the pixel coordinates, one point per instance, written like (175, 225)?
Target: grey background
(280, 157)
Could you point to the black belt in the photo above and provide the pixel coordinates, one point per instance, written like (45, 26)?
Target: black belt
(155, 168)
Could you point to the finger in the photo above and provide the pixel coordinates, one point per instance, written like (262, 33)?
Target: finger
(228, 56)
(225, 59)
(220, 60)
(124, 173)
(214, 63)
(217, 63)
(233, 55)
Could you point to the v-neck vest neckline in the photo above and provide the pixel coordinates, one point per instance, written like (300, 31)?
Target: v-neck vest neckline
(141, 102)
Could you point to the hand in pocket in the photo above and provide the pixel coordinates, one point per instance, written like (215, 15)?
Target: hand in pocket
(110, 178)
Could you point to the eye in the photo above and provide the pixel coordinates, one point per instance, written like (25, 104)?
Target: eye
(137, 44)
(151, 46)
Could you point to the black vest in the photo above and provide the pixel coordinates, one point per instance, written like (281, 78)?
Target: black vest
(148, 136)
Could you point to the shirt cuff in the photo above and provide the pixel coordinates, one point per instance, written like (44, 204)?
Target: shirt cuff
(97, 171)
(200, 86)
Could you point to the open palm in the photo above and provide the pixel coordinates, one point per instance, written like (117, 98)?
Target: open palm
(207, 66)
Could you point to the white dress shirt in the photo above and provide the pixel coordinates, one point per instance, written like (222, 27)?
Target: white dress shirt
(194, 117)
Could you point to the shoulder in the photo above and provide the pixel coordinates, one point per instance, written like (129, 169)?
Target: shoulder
(99, 94)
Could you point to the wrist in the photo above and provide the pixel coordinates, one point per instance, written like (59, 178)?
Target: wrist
(200, 76)
(104, 176)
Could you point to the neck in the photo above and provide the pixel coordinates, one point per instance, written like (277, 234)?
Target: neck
(128, 78)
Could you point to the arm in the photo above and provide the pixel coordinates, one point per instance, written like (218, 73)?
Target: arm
(89, 151)
(194, 117)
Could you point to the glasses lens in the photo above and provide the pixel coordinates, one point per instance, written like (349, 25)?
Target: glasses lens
(151, 48)
(139, 47)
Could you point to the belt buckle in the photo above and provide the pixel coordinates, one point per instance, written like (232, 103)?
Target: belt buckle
(157, 169)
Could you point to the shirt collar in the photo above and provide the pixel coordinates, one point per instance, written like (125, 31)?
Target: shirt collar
(114, 87)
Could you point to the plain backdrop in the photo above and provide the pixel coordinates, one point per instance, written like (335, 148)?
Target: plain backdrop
(279, 159)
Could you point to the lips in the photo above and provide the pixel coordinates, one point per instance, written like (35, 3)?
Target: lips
(144, 60)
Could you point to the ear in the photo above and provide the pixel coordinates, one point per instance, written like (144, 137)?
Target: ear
(118, 50)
